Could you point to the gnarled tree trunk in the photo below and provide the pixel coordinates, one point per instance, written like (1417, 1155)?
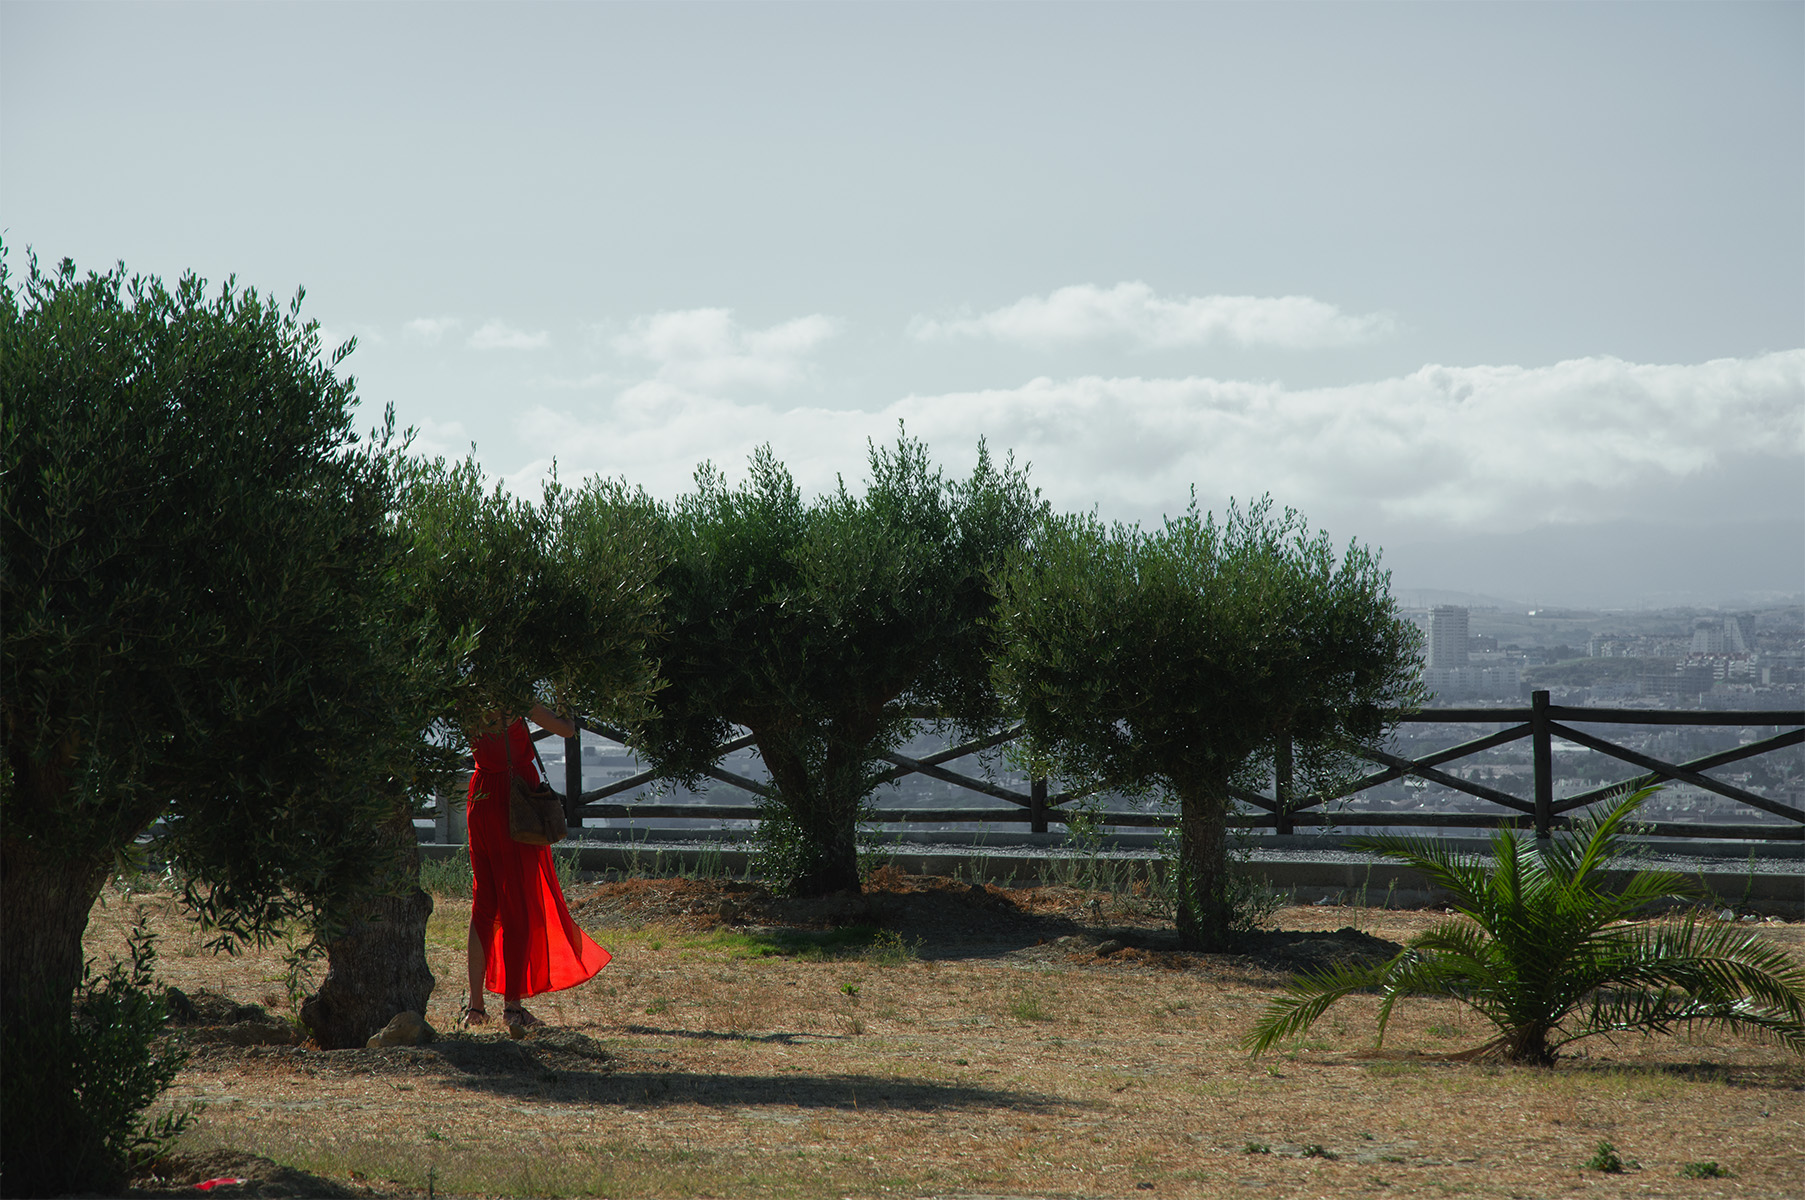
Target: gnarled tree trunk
(378, 967)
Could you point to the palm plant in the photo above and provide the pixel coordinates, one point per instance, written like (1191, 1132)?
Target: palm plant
(1549, 954)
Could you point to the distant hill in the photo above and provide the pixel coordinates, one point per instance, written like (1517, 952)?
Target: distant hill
(1430, 597)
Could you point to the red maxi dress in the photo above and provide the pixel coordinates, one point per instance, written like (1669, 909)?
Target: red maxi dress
(518, 908)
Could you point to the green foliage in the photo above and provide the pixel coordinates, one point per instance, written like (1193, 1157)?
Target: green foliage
(550, 603)
(198, 583)
(1706, 1170)
(1177, 660)
(1549, 954)
(121, 1065)
(1605, 1158)
(821, 627)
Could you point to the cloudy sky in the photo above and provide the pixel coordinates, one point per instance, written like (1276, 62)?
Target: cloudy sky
(1515, 292)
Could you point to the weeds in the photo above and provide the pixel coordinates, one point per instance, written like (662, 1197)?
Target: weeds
(1705, 1170)
(1317, 1150)
(448, 877)
(1605, 1159)
(1257, 1148)
(1027, 1005)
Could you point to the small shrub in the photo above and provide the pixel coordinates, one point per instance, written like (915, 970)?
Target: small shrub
(1317, 1150)
(1605, 1159)
(889, 949)
(1257, 1148)
(1705, 1170)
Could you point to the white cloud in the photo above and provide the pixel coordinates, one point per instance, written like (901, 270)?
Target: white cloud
(1463, 448)
(494, 335)
(440, 439)
(1133, 313)
(431, 329)
(706, 349)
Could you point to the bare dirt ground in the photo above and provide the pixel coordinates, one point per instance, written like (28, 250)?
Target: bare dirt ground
(935, 1039)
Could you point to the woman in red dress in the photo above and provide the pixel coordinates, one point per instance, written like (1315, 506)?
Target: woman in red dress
(522, 938)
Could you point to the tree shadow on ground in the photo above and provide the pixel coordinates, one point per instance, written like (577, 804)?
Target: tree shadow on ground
(846, 1093)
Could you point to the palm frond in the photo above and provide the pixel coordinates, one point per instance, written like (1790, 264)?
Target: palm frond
(1306, 998)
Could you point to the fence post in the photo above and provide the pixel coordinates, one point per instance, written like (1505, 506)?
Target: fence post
(1037, 806)
(1544, 763)
(453, 824)
(1281, 785)
(573, 776)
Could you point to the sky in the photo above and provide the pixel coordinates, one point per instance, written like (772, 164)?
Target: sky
(1515, 293)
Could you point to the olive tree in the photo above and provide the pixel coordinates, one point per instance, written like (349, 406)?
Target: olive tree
(824, 628)
(525, 602)
(1178, 659)
(199, 587)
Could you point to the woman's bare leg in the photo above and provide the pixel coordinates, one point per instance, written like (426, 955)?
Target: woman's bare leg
(478, 956)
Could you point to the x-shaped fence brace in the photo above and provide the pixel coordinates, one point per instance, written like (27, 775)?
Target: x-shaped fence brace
(1544, 722)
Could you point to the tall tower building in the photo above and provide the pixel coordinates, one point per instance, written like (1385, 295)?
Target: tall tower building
(1448, 636)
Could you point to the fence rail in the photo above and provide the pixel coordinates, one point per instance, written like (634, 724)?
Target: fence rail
(1541, 723)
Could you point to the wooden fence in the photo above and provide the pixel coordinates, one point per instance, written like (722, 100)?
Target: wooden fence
(1541, 723)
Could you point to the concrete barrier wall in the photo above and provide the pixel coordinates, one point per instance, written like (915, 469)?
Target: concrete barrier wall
(1772, 886)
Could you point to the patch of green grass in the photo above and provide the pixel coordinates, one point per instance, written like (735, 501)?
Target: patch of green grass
(1027, 1005)
(1706, 1170)
(658, 1006)
(1257, 1148)
(1317, 1150)
(880, 947)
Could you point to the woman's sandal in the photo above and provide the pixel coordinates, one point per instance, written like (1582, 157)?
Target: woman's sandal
(519, 1020)
(475, 1016)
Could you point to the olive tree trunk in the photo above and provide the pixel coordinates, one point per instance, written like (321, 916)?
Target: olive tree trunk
(1204, 901)
(377, 968)
(49, 1146)
(822, 812)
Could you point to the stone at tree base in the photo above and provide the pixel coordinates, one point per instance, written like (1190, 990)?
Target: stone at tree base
(377, 967)
(405, 1029)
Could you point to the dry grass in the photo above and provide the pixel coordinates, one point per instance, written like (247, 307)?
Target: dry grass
(1005, 1058)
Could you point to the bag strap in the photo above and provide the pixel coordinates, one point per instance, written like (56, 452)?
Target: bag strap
(545, 777)
(507, 749)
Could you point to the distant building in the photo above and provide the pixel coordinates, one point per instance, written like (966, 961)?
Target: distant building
(1713, 638)
(1501, 682)
(1448, 637)
(1691, 679)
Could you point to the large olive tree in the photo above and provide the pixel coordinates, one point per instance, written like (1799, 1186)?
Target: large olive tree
(198, 574)
(550, 602)
(1178, 659)
(824, 627)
